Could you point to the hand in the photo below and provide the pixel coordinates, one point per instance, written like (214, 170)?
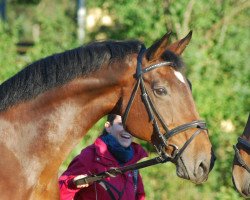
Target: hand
(79, 177)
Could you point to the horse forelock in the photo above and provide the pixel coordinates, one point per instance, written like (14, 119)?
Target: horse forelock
(178, 63)
(58, 69)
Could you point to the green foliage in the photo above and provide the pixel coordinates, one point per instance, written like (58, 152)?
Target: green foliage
(217, 64)
(128, 17)
(26, 1)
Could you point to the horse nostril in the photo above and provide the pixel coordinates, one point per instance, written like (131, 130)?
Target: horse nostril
(201, 170)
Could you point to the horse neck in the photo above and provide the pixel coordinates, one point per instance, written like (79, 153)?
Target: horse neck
(41, 132)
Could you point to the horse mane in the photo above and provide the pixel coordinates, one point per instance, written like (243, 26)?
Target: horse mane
(178, 63)
(58, 69)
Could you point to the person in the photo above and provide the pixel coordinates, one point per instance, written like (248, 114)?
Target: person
(114, 148)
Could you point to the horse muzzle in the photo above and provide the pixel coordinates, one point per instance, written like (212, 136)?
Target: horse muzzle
(197, 172)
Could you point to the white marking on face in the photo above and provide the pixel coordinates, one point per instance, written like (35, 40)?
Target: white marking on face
(179, 76)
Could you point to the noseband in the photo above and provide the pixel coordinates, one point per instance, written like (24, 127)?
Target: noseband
(246, 145)
(160, 140)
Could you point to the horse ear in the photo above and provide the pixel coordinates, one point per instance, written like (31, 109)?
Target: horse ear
(179, 46)
(158, 47)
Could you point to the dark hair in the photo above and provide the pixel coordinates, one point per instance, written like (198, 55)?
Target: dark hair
(110, 119)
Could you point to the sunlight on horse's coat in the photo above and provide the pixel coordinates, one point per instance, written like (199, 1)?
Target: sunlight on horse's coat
(64, 115)
(19, 147)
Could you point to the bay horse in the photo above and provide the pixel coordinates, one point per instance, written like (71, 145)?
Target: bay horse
(241, 163)
(47, 108)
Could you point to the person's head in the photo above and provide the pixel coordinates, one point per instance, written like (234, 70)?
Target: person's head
(114, 127)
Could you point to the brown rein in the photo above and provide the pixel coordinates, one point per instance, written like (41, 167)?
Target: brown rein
(113, 172)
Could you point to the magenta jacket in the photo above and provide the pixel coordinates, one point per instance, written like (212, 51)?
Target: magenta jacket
(95, 159)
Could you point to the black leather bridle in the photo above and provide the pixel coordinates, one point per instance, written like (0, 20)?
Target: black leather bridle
(246, 145)
(160, 140)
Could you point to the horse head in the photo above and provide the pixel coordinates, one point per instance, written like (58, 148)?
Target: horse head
(241, 163)
(162, 97)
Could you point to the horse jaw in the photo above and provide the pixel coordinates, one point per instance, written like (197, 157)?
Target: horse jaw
(241, 180)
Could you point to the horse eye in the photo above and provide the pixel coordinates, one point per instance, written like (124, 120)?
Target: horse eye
(160, 91)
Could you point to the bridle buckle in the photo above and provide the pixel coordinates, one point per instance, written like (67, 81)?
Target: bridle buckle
(175, 151)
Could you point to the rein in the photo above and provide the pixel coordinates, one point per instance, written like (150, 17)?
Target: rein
(113, 172)
(246, 145)
(161, 139)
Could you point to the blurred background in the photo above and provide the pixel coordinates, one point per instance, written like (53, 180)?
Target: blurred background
(217, 60)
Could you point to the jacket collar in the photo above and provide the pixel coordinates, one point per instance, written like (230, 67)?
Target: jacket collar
(102, 151)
